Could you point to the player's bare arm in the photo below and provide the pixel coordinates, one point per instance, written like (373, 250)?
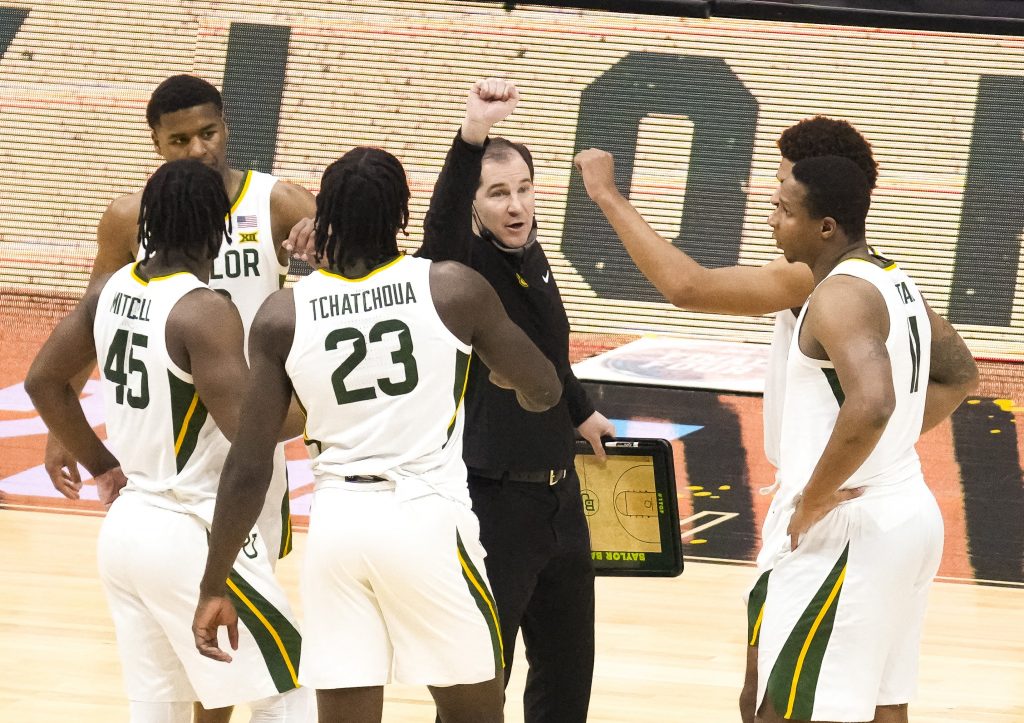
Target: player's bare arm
(292, 207)
(952, 375)
(117, 241)
(847, 323)
(116, 244)
(205, 338)
(70, 349)
(748, 290)
(471, 310)
(247, 471)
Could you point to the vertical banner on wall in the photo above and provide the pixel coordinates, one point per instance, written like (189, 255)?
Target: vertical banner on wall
(988, 248)
(253, 85)
(10, 22)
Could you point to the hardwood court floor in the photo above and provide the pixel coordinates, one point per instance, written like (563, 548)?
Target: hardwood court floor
(668, 650)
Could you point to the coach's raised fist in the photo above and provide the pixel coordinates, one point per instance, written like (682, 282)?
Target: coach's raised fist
(598, 170)
(489, 101)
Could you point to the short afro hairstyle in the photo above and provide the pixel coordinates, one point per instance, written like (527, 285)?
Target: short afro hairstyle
(179, 92)
(823, 136)
(835, 187)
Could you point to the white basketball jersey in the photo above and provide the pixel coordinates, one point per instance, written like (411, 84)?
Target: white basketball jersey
(814, 395)
(157, 426)
(775, 382)
(381, 380)
(248, 269)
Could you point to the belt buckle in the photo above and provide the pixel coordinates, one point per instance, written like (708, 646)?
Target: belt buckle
(554, 476)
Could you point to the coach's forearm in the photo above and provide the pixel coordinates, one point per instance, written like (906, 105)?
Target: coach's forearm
(243, 488)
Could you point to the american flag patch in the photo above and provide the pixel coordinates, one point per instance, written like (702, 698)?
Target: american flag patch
(246, 221)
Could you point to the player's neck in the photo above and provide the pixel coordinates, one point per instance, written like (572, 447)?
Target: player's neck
(172, 263)
(358, 268)
(830, 259)
(233, 180)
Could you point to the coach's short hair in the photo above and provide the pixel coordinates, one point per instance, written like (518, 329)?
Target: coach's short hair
(179, 92)
(501, 149)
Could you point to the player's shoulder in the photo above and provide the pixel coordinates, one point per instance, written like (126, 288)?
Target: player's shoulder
(840, 299)
(203, 313)
(288, 196)
(273, 327)
(456, 273)
(277, 309)
(125, 208)
(202, 303)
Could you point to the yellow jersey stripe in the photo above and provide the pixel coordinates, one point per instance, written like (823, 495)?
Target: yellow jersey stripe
(757, 625)
(479, 588)
(241, 192)
(167, 276)
(135, 274)
(288, 535)
(269, 627)
(810, 636)
(462, 394)
(184, 424)
(891, 267)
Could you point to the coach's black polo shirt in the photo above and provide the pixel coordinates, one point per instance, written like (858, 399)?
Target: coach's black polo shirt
(501, 435)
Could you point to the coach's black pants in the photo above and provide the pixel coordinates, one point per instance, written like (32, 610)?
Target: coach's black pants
(541, 574)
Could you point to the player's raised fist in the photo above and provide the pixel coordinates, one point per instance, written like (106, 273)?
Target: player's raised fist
(489, 101)
(598, 170)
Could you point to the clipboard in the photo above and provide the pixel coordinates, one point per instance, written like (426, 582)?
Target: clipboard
(631, 507)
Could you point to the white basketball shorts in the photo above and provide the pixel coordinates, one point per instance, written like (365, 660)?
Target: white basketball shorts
(275, 522)
(395, 591)
(151, 561)
(841, 625)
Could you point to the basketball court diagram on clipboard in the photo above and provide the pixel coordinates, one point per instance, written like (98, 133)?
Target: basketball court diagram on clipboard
(621, 503)
(631, 508)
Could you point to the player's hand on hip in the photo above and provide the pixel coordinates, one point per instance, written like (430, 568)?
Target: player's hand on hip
(301, 241)
(807, 513)
(490, 101)
(62, 469)
(109, 485)
(595, 427)
(212, 612)
(598, 170)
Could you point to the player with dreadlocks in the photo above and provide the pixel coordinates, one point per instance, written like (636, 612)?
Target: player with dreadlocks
(350, 226)
(376, 347)
(170, 353)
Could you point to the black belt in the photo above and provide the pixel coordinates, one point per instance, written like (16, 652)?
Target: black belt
(365, 478)
(545, 476)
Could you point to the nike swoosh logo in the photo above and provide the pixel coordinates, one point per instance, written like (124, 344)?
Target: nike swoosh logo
(546, 276)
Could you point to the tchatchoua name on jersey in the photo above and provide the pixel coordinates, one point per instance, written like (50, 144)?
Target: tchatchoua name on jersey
(130, 306)
(324, 307)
